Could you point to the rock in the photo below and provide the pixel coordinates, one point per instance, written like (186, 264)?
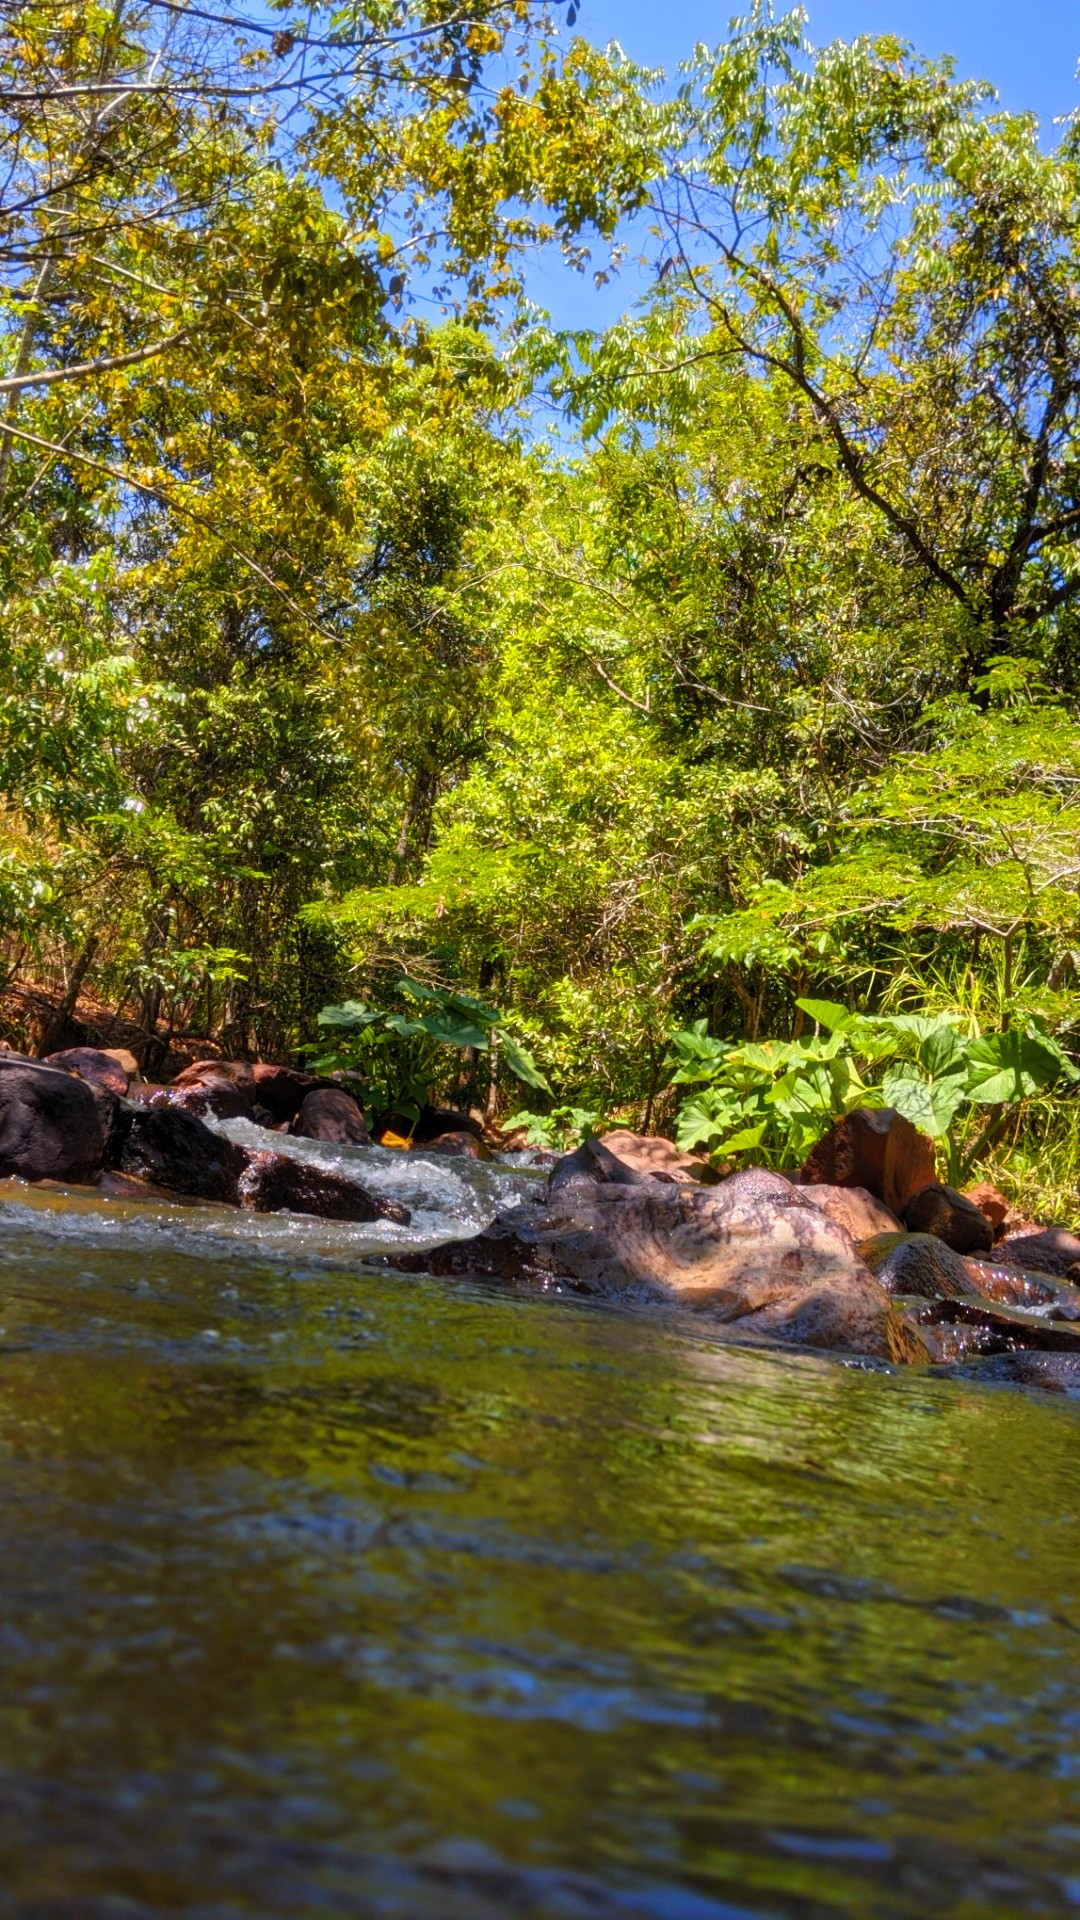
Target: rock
(236, 1071)
(93, 1063)
(769, 1269)
(330, 1114)
(51, 1125)
(1018, 1287)
(1049, 1372)
(591, 1165)
(1046, 1249)
(952, 1328)
(651, 1154)
(949, 1216)
(854, 1208)
(757, 1183)
(466, 1145)
(434, 1121)
(274, 1182)
(223, 1098)
(919, 1263)
(991, 1204)
(875, 1148)
(174, 1149)
(281, 1090)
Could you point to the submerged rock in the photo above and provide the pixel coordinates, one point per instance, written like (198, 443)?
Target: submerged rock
(465, 1145)
(875, 1148)
(768, 1269)
(951, 1217)
(276, 1183)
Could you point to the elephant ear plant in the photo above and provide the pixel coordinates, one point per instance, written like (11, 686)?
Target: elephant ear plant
(776, 1098)
(396, 1056)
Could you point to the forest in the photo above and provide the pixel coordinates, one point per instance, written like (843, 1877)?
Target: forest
(670, 725)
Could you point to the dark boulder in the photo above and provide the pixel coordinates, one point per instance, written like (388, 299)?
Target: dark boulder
(949, 1216)
(332, 1115)
(875, 1148)
(281, 1090)
(93, 1064)
(919, 1264)
(174, 1149)
(591, 1165)
(275, 1182)
(1046, 1249)
(434, 1121)
(223, 1098)
(51, 1124)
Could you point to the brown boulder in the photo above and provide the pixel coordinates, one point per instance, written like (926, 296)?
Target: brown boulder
(223, 1098)
(949, 1216)
(465, 1145)
(93, 1064)
(769, 1269)
(991, 1204)
(51, 1124)
(875, 1148)
(274, 1182)
(237, 1071)
(854, 1208)
(332, 1115)
(919, 1264)
(652, 1154)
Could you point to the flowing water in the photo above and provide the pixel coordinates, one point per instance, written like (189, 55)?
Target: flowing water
(326, 1591)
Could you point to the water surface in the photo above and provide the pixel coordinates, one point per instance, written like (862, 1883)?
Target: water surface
(325, 1591)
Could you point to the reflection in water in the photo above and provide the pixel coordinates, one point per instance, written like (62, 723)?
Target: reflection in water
(334, 1593)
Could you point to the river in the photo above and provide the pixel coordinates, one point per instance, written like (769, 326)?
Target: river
(331, 1592)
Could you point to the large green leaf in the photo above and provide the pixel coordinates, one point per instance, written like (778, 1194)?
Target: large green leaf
(521, 1063)
(828, 1013)
(931, 1105)
(1013, 1066)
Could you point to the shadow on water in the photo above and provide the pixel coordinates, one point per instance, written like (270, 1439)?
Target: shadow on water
(327, 1592)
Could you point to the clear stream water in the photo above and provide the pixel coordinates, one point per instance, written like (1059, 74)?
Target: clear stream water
(326, 1591)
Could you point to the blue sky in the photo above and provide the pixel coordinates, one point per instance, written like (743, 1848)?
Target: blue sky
(1029, 53)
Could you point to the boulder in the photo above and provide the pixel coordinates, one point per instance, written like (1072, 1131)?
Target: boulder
(875, 1148)
(328, 1113)
(757, 1183)
(854, 1208)
(175, 1150)
(765, 1268)
(236, 1071)
(223, 1098)
(281, 1090)
(51, 1124)
(434, 1121)
(949, 1216)
(919, 1264)
(991, 1204)
(274, 1182)
(591, 1165)
(652, 1154)
(93, 1063)
(1046, 1249)
(466, 1145)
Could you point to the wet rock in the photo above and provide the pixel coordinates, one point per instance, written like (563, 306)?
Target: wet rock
(859, 1211)
(274, 1182)
(875, 1148)
(919, 1264)
(223, 1098)
(949, 1216)
(465, 1145)
(434, 1121)
(281, 1090)
(991, 1204)
(238, 1072)
(93, 1064)
(174, 1149)
(1049, 1372)
(51, 1125)
(768, 1269)
(1020, 1287)
(1046, 1249)
(952, 1327)
(332, 1115)
(591, 1165)
(651, 1154)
